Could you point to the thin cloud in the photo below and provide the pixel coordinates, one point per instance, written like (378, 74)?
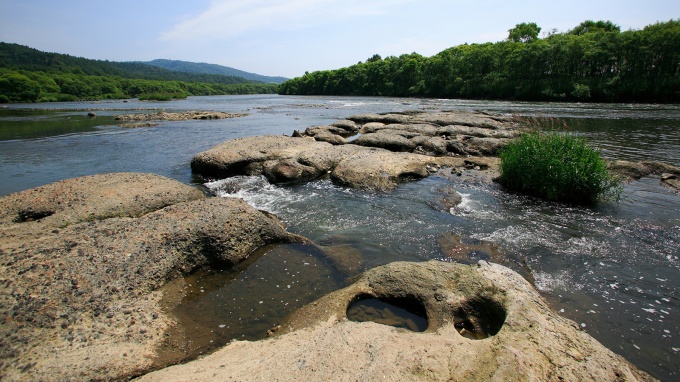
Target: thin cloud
(225, 19)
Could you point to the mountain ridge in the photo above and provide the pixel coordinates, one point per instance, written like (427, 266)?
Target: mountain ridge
(207, 68)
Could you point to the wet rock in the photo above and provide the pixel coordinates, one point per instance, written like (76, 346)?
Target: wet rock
(392, 148)
(342, 256)
(466, 250)
(635, 170)
(77, 299)
(484, 322)
(448, 198)
(281, 158)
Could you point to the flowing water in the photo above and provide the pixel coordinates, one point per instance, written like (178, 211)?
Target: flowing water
(614, 268)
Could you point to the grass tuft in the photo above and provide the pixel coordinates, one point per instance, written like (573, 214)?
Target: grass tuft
(557, 166)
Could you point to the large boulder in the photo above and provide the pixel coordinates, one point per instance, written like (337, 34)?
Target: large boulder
(287, 159)
(246, 156)
(82, 261)
(484, 323)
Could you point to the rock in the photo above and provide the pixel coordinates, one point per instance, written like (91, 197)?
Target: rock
(371, 127)
(381, 118)
(484, 323)
(137, 125)
(449, 198)
(245, 156)
(89, 198)
(380, 170)
(331, 138)
(485, 146)
(471, 251)
(91, 114)
(182, 116)
(386, 140)
(635, 170)
(82, 260)
(285, 159)
(444, 133)
(628, 169)
(446, 118)
(349, 126)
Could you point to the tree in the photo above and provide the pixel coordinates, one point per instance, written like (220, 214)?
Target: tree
(374, 58)
(524, 32)
(590, 26)
(17, 87)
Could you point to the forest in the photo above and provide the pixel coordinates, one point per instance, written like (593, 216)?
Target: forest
(29, 75)
(594, 62)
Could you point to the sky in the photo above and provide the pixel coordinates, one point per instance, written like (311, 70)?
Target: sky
(288, 37)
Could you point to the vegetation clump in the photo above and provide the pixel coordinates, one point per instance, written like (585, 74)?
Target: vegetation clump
(557, 166)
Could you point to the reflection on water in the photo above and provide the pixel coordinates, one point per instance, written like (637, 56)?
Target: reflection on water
(614, 269)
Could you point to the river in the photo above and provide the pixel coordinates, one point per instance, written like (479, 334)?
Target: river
(614, 268)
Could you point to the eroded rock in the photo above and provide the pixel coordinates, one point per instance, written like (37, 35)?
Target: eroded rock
(629, 170)
(285, 159)
(484, 322)
(80, 273)
(180, 116)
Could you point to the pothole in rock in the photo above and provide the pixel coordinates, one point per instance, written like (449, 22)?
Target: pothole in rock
(30, 215)
(407, 313)
(214, 306)
(480, 318)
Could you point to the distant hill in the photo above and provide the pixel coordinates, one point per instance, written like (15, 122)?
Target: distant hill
(29, 75)
(19, 57)
(203, 68)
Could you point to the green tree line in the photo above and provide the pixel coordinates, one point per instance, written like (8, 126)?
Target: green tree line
(595, 61)
(28, 75)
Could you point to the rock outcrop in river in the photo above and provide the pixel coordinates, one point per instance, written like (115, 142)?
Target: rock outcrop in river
(81, 262)
(386, 153)
(387, 149)
(485, 323)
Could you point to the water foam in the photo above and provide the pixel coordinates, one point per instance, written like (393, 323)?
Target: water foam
(256, 191)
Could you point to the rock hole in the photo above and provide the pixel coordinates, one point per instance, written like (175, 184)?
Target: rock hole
(479, 318)
(30, 215)
(402, 312)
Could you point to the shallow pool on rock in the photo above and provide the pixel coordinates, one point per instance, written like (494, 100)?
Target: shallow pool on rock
(217, 306)
(400, 313)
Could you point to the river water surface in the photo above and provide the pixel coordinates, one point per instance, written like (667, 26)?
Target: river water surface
(614, 268)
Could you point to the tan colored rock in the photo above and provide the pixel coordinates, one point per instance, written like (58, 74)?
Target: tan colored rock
(180, 116)
(667, 173)
(79, 297)
(245, 156)
(285, 159)
(381, 170)
(88, 198)
(486, 323)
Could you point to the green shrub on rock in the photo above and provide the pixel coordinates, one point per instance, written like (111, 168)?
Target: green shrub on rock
(557, 166)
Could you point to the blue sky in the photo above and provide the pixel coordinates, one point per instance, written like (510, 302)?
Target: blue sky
(287, 38)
